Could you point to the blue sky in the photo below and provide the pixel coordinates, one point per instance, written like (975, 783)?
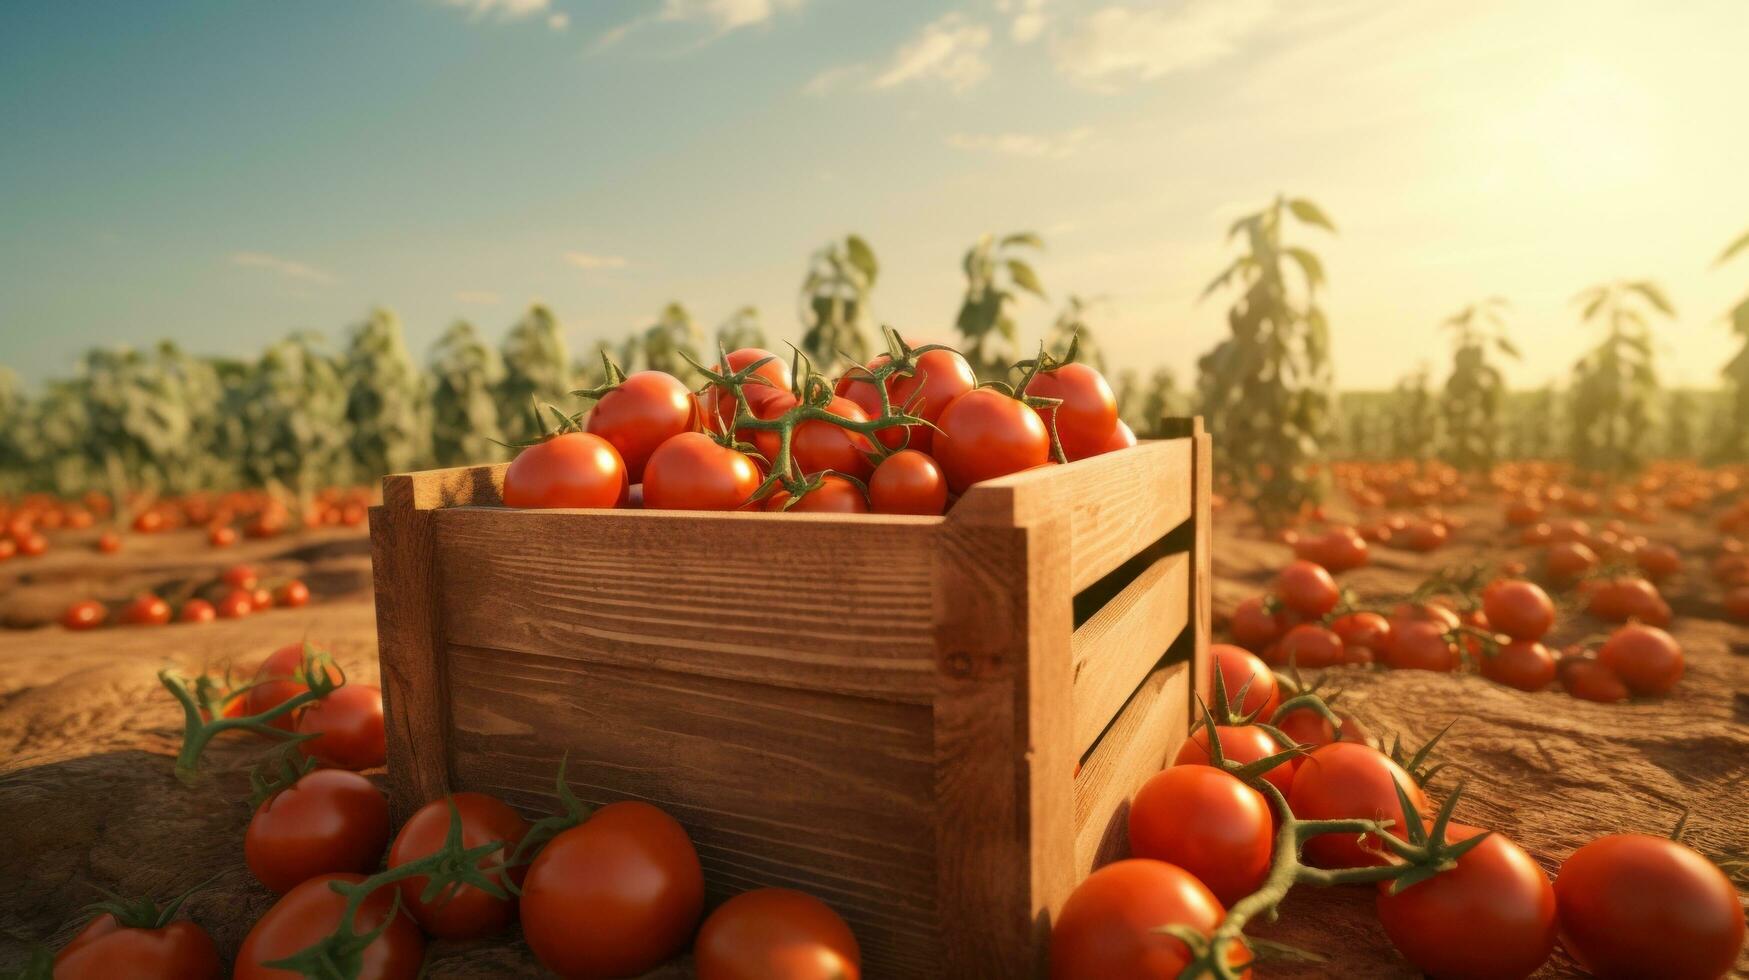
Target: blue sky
(223, 173)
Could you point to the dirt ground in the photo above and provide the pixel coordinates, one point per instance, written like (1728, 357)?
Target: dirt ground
(87, 737)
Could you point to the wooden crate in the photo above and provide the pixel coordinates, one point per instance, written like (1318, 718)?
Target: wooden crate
(934, 724)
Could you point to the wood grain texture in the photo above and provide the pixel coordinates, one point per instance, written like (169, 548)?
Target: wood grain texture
(1117, 504)
(458, 486)
(777, 787)
(1050, 754)
(828, 605)
(1119, 646)
(409, 656)
(1202, 561)
(1147, 731)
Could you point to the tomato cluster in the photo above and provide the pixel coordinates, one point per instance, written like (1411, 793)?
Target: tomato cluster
(905, 433)
(236, 593)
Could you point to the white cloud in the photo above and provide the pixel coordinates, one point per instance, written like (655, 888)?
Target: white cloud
(950, 49)
(1027, 19)
(830, 80)
(1050, 145)
(479, 296)
(1117, 45)
(726, 15)
(591, 262)
(559, 21)
(501, 9)
(288, 268)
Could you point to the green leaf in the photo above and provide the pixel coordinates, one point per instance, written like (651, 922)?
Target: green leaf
(1732, 249)
(1309, 264)
(1310, 213)
(862, 257)
(1508, 348)
(1025, 278)
(1654, 295)
(1027, 238)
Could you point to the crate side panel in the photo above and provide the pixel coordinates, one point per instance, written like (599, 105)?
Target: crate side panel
(827, 606)
(821, 792)
(1115, 650)
(1139, 743)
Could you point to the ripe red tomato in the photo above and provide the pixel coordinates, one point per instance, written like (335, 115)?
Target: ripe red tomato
(459, 912)
(109, 542)
(1619, 600)
(146, 610)
(1207, 822)
(693, 472)
(1567, 561)
(576, 469)
(235, 604)
(330, 820)
(85, 614)
(1254, 627)
(1647, 659)
(197, 611)
(614, 896)
(279, 679)
(292, 594)
(1496, 891)
(1365, 630)
(775, 934)
(986, 434)
(1122, 437)
(106, 950)
(311, 911)
(8, 548)
(908, 482)
(1239, 743)
(1524, 664)
(1307, 589)
(1633, 905)
(240, 577)
(1520, 609)
(260, 598)
(1737, 603)
(1109, 925)
(941, 376)
(834, 495)
(774, 370)
(1088, 414)
(1587, 679)
(1420, 645)
(221, 536)
(1312, 646)
(645, 410)
(817, 445)
(1243, 670)
(1348, 780)
(348, 725)
(32, 545)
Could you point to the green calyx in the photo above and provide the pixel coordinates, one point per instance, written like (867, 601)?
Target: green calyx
(203, 709)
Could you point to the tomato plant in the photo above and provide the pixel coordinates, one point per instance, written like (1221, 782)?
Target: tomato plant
(328, 820)
(282, 676)
(775, 934)
(460, 911)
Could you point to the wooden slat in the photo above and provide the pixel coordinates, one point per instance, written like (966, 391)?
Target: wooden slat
(1117, 504)
(1138, 744)
(825, 793)
(827, 605)
(458, 486)
(1115, 649)
(409, 656)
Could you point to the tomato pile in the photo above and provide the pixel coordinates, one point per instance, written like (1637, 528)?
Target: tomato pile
(237, 592)
(906, 433)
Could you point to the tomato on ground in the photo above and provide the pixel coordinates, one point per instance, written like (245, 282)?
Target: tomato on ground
(908, 482)
(1307, 588)
(1647, 659)
(1524, 664)
(1109, 925)
(279, 679)
(1243, 744)
(197, 611)
(1520, 609)
(1207, 822)
(292, 594)
(1420, 645)
(84, 615)
(330, 820)
(309, 912)
(775, 934)
(692, 471)
(348, 725)
(614, 896)
(574, 469)
(986, 434)
(1634, 905)
(1254, 627)
(644, 411)
(1312, 646)
(1242, 670)
(1492, 917)
(1589, 680)
(460, 911)
(1348, 780)
(107, 950)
